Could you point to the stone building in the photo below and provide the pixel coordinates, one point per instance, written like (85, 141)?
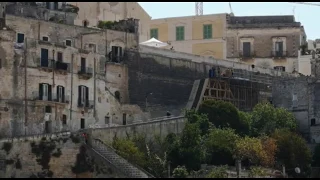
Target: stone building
(90, 13)
(59, 77)
(266, 41)
(200, 35)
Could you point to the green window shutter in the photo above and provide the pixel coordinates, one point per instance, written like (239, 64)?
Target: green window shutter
(154, 33)
(207, 31)
(180, 33)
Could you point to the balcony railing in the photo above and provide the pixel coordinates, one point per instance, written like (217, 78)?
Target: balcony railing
(62, 66)
(85, 70)
(50, 63)
(86, 104)
(247, 55)
(50, 97)
(279, 53)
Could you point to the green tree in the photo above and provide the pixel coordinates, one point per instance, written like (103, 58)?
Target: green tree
(180, 172)
(245, 119)
(222, 115)
(292, 152)
(129, 151)
(266, 118)
(200, 119)
(191, 149)
(218, 172)
(220, 144)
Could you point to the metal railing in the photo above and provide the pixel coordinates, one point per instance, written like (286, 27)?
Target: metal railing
(62, 66)
(247, 55)
(51, 97)
(279, 53)
(86, 104)
(110, 148)
(85, 70)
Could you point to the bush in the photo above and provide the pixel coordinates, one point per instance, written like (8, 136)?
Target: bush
(180, 172)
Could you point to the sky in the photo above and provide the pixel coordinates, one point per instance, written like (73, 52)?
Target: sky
(306, 14)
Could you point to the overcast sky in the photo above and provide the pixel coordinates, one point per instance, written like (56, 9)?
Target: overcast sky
(306, 14)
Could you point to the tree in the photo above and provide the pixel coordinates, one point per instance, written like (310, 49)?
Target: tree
(222, 114)
(191, 150)
(218, 172)
(266, 118)
(129, 151)
(220, 144)
(180, 172)
(245, 119)
(292, 152)
(269, 151)
(249, 149)
(200, 119)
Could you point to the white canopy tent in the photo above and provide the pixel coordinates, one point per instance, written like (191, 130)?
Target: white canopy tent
(154, 43)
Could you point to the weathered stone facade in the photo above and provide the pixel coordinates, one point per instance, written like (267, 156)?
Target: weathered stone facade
(106, 80)
(262, 32)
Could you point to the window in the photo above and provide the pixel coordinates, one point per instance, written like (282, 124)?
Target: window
(60, 94)
(246, 49)
(82, 123)
(83, 96)
(279, 49)
(44, 58)
(55, 6)
(107, 120)
(279, 68)
(68, 42)
(45, 38)
(0, 63)
(117, 95)
(154, 33)
(207, 31)
(116, 53)
(64, 119)
(313, 122)
(180, 33)
(83, 65)
(124, 119)
(85, 23)
(60, 56)
(45, 92)
(20, 38)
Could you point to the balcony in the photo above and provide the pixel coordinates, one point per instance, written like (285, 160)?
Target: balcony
(51, 98)
(85, 72)
(278, 54)
(245, 56)
(46, 66)
(62, 66)
(88, 104)
(56, 65)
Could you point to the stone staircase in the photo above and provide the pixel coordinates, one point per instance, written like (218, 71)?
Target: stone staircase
(109, 154)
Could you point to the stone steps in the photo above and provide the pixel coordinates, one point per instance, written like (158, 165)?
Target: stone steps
(123, 165)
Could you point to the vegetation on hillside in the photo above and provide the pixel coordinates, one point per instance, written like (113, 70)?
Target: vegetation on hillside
(219, 134)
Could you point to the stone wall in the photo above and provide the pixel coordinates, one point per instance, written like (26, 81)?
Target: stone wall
(150, 129)
(61, 166)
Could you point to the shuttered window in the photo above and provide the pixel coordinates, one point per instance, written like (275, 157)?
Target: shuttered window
(180, 33)
(154, 33)
(207, 31)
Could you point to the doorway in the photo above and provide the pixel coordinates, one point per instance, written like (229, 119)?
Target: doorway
(47, 127)
(44, 58)
(82, 123)
(83, 65)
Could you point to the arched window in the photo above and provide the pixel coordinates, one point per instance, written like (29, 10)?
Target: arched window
(117, 95)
